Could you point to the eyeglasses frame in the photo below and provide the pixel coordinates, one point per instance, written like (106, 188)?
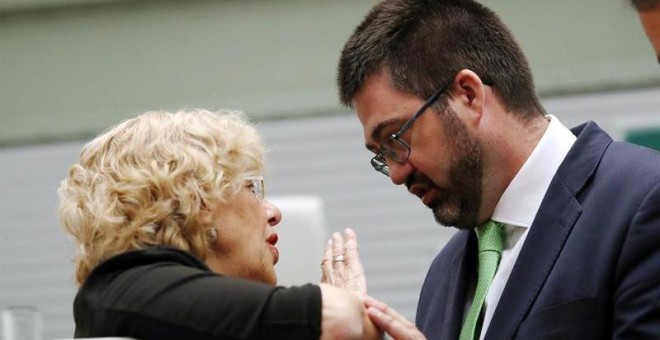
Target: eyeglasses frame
(379, 162)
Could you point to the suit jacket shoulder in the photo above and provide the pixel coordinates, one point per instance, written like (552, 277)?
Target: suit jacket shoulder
(590, 265)
(588, 268)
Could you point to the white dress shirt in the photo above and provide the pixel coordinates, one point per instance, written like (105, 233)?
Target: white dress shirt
(521, 201)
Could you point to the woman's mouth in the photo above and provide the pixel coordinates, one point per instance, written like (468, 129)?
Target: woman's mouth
(272, 240)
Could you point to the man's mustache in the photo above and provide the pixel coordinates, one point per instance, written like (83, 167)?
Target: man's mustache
(417, 178)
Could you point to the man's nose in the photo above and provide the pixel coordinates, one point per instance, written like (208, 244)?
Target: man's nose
(399, 172)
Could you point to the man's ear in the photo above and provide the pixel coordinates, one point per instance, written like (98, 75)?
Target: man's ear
(470, 94)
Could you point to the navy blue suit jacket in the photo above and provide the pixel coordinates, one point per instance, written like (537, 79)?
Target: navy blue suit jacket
(590, 266)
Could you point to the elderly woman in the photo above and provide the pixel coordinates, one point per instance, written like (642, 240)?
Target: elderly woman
(176, 240)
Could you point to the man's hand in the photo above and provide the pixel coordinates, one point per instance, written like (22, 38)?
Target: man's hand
(391, 322)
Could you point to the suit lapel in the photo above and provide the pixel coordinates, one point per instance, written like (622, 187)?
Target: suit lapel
(550, 229)
(463, 268)
(537, 257)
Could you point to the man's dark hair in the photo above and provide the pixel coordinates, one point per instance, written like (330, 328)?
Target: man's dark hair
(645, 5)
(424, 43)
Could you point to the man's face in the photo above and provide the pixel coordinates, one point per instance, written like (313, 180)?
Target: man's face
(444, 168)
(651, 22)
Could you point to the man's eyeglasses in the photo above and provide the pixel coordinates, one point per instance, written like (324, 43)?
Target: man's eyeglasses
(393, 148)
(256, 185)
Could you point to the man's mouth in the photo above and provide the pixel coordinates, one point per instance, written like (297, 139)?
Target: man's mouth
(424, 192)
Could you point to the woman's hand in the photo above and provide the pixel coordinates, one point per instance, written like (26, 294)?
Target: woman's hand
(341, 265)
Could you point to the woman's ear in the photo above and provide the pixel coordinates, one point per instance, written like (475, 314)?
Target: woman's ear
(212, 234)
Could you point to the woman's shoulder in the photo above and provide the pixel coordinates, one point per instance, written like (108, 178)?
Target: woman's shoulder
(153, 256)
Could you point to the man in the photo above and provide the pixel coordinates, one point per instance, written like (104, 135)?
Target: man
(649, 15)
(568, 220)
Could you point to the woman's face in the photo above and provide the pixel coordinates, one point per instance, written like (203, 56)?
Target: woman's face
(245, 243)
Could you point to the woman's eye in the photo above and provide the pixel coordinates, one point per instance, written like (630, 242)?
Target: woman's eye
(257, 187)
(252, 188)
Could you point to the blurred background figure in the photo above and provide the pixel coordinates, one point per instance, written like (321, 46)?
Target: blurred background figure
(71, 68)
(649, 15)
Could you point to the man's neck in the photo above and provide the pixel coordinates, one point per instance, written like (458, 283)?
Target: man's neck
(507, 149)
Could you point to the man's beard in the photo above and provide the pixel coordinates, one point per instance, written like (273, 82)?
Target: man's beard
(459, 205)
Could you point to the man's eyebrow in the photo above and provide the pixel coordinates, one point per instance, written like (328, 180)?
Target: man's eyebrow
(378, 130)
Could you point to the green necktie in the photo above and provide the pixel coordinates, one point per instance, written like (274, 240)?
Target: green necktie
(491, 240)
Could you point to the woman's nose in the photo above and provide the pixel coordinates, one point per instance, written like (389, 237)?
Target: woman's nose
(274, 214)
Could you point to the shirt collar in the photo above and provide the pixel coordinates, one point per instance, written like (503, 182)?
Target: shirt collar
(522, 198)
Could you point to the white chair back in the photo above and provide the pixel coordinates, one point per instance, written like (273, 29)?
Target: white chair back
(302, 237)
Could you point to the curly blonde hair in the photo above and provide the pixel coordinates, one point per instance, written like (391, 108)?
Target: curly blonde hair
(152, 180)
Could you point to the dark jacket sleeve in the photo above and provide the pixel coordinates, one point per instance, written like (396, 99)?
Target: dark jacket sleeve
(168, 300)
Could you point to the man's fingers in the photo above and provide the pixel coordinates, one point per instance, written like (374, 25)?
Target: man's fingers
(385, 322)
(393, 323)
(381, 306)
(393, 327)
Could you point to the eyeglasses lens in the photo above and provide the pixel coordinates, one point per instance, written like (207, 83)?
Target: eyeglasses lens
(378, 162)
(395, 150)
(257, 187)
